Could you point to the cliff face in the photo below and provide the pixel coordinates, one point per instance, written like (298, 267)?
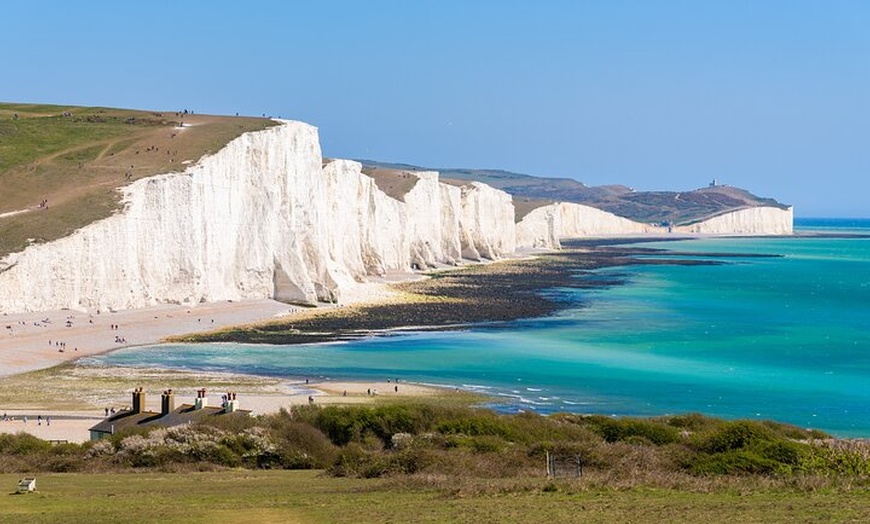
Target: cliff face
(750, 221)
(544, 226)
(264, 218)
(486, 222)
(239, 224)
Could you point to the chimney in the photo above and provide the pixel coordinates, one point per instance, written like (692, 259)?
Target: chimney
(232, 404)
(138, 400)
(201, 400)
(167, 403)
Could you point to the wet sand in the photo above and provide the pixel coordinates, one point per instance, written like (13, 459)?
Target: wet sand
(33, 341)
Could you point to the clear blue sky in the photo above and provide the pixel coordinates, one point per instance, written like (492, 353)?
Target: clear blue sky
(773, 96)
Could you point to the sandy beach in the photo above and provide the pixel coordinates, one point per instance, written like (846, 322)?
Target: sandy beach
(31, 341)
(44, 340)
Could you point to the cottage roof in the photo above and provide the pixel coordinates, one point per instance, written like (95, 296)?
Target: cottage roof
(184, 414)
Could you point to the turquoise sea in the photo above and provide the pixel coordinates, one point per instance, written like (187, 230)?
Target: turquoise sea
(786, 338)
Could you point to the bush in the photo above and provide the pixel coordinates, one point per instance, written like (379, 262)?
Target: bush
(779, 456)
(838, 457)
(789, 431)
(637, 431)
(22, 444)
(477, 444)
(734, 462)
(344, 425)
(691, 422)
(474, 425)
(748, 447)
(222, 456)
(784, 452)
(735, 435)
(298, 444)
(354, 461)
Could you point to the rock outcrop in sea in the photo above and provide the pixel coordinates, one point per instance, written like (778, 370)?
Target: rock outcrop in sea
(265, 217)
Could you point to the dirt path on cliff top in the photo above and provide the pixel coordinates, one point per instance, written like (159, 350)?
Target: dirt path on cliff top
(78, 162)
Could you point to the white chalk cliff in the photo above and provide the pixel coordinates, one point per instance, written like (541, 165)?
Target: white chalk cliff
(543, 227)
(265, 218)
(765, 220)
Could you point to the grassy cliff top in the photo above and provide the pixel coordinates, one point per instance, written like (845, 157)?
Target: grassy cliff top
(61, 166)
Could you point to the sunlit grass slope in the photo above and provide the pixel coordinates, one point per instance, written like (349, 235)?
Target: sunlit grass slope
(76, 158)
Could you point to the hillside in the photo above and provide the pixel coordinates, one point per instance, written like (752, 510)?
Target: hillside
(60, 166)
(530, 192)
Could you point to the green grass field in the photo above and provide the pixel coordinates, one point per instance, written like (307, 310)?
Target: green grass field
(310, 496)
(77, 157)
(429, 463)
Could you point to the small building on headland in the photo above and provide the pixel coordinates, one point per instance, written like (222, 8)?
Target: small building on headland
(168, 415)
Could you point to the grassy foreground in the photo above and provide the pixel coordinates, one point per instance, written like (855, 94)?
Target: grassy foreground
(310, 496)
(426, 462)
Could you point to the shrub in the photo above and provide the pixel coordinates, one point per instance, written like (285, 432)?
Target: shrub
(783, 452)
(476, 444)
(839, 457)
(22, 444)
(735, 435)
(474, 425)
(638, 431)
(734, 462)
(354, 461)
(691, 422)
(290, 459)
(411, 460)
(401, 441)
(789, 431)
(355, 423)
(298, 444)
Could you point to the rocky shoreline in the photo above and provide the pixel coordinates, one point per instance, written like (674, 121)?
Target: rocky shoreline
(488, 293)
